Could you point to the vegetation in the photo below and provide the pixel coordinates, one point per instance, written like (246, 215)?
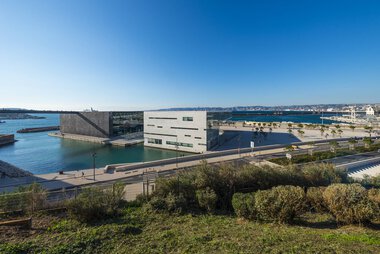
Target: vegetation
(325, 155)
(349, 203)
(194, 212)
(94, 203)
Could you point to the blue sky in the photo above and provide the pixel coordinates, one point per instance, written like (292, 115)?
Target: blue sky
(76, 54)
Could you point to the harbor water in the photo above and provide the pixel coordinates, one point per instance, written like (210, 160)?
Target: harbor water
(40, 153)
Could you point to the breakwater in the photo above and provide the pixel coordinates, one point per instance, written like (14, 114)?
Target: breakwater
(38, 129)
(7, 139)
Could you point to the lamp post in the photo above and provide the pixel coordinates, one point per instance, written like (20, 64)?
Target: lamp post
(93, 162)
(176, 147)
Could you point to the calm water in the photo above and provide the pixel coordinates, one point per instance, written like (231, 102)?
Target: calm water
(40, 153)
(296, 118)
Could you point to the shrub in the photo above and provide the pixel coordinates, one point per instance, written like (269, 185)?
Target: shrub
(280, 204)
(207, 199)
(176, 203)
(349, 203)
(156, 204)
(28, 198)
(244, 205)
(315, 200)
(323, 174)
(374, 196)
(88, 206)
(114, 196)
(171, 203)
(181, 184)
(95, 203)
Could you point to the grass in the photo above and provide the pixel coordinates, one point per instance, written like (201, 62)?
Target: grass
(319, 156)
(137, 232)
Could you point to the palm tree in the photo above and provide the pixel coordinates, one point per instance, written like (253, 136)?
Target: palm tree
(333, 146)
(290, 125)
(290, 131)
(340, 132)
(337, 126)
(352, 142)
(301, 132)
(300, 125)
(333, 132)
(274, 125)
(369, 130)
(352, 127)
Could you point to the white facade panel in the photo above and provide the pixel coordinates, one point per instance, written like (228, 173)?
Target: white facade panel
(182, 130)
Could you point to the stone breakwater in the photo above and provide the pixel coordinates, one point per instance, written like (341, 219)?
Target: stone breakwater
(7, 139)
(38, 129)
(8, 170)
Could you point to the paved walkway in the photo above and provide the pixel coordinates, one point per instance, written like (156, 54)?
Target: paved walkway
(74, 178)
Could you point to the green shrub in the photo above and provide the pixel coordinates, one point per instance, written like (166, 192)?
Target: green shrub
(156, 204)
(176, 203)
(95, 203)
(374, 196)
(171, 203)
(280, 204)
(349, 203)
(244, 205)
(28, 198)
(207, 199)
(314, 196)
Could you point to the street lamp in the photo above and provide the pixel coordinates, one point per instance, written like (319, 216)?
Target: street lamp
(176, 147)
(93, 162)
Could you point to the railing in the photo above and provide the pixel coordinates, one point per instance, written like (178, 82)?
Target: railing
(31, 201)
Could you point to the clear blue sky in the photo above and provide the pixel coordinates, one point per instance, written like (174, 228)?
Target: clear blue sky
(76, 54)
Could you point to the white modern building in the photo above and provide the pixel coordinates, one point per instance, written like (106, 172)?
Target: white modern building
(189, 131)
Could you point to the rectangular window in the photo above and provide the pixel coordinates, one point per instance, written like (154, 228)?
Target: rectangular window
(188, 136)
(159, 127)
(163, 118)
(198, 138)
(187, 118)
(158, 134)
(151, 125)
(201, 144)
(155, 141)
(184, 128)
(179, 144)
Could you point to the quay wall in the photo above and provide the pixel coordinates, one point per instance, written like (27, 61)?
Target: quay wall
(96, 124)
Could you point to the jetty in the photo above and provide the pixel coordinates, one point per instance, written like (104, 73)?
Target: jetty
(6, 139)
(38, 129)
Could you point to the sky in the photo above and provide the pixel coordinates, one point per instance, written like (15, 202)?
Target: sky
(139, 54)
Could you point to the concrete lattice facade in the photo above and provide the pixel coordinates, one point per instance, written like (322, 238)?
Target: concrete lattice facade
(96, 124)
(187, 131)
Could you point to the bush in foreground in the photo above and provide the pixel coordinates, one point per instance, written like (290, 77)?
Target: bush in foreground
(244, 205)
(315, 200)
(95, 203)
(207, 199)
(349, 203)
(280, 204)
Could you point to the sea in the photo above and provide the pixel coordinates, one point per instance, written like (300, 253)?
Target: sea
(39, 153)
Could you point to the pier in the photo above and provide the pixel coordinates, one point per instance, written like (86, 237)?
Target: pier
(7, 139)
(38, 129)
